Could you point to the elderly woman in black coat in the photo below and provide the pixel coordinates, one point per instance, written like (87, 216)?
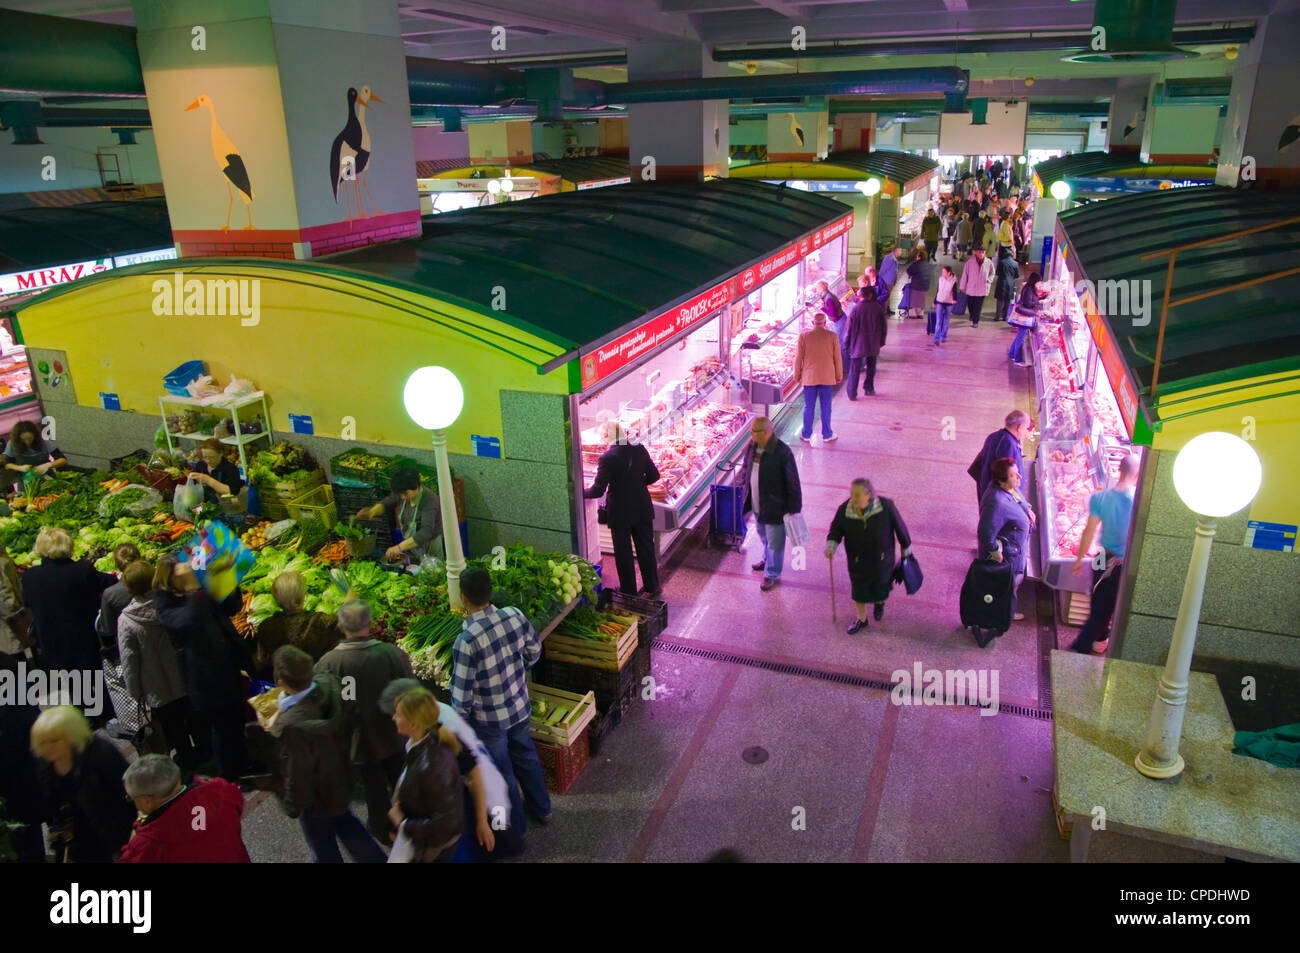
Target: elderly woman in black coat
(64, 596)
(868, 525)
(1005, 521)
(82, 797)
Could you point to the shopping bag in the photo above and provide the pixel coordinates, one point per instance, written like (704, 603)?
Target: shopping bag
(1022, 317)
(959, 307)
(796, 529)
(187, 498)
(909, 574)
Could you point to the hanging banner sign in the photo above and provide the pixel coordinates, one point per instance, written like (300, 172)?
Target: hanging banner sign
(1112, 362)
(39, 279)
(603, 182)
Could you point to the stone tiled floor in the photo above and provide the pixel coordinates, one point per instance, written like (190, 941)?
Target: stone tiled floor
(850, 775)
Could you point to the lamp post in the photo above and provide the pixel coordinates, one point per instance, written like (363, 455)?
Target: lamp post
(1215, 474)
(434, 399)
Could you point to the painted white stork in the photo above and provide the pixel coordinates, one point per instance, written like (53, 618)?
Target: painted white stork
(364, 99)
(230, 162)
(794, 128)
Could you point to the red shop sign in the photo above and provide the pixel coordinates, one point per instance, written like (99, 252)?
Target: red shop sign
(1113, 364)
(803, 248)
(622, 351)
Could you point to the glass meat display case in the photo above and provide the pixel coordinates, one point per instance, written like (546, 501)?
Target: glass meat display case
(686, 408)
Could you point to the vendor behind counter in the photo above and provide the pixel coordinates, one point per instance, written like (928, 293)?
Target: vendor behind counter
(219, 476)
(418, 514)
(26, 450)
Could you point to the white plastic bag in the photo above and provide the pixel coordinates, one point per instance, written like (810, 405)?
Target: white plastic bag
(202, 387)
(187, 499)
(148, 501)
(239, 388)
(796, 529)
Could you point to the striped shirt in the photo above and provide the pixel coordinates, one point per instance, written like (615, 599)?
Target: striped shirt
(490, 660)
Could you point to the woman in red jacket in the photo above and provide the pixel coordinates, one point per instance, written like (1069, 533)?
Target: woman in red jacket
(165, 832)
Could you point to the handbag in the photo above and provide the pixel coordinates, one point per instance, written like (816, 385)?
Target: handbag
(1021, 317)
(148, 739)
(908, 572)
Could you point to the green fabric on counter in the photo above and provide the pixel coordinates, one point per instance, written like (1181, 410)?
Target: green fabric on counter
(1279, 746)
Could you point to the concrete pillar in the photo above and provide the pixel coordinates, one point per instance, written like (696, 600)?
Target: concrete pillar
(1263, 120)
(687, 141)
(1127, 119)
(256, 106)
(856, 132)
(1178, 134)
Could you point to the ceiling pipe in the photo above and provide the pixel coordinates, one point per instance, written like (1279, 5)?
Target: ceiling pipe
(1015, 44)
(948, 80)
(44, 54)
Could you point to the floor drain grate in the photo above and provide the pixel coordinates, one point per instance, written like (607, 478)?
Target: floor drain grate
(839, 678)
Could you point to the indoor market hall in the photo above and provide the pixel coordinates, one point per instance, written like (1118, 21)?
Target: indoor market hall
(658, 432)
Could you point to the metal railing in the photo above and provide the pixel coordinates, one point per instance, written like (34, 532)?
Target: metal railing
(1169, 284)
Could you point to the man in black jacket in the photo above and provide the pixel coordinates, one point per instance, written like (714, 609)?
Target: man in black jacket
(773, 479)
(864, 338)
(365, 666)
(317, 783)
(625, 471)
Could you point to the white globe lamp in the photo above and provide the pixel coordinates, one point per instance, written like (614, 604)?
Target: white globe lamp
(434, 398)
(1216, 474)
(1060, 190)
(872, 187)
(507, 185)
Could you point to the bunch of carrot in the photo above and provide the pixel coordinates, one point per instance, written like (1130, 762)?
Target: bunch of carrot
(334, 552)
(114, 485)
(174, 528)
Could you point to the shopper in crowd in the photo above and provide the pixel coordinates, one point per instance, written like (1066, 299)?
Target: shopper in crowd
(314, 764)
(950, 219)
(313, 632)
(14, 618)
(368, 666)
(218, 474)
(1006, 234)
(868, 524)
(770, 473)
(1113, 509)
(1031, 296)
(114, 600)
(868, 328)
(975, 285)
(829, 305)
(212, 655)
(979, 224)
(166, 831)
(82, 797)
(818, 368)
(417, 511)
(1007, 442)
(20, 789)
(965, 235)
(889, 275)
(479, 841)
(944, 301)
(918, 284)
(491, 659)
(989, 240)
(429, 804)
(623, 476)
(28, 451)
(931, 228)
(1005, 521)
(149, 665)
(64, 596)
(1004, 290)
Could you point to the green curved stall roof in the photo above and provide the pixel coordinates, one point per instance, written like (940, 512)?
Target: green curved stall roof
(901, 167)
(583, 168)
(577, 267)
(1229, 337)
(1085, 164)
(39, 236)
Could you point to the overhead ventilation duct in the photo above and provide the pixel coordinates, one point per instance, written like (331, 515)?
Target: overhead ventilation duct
(1132, 31)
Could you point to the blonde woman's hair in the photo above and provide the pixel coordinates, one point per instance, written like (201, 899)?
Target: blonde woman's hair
(420, 708)
(63, 722)
(288, 591)
(53, 543)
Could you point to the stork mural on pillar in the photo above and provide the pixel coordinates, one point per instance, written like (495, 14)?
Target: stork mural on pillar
(230, 162)
(350, 155)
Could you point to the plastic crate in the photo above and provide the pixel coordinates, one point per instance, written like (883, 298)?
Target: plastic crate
(561, 766)
(613, 690)
(379, 478)
(317, 504)
(286, 491)
(116, 463)
(176, 383)
(652, 613)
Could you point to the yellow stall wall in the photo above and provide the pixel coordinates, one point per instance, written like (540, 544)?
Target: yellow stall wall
(1271, 425)
(328, 345)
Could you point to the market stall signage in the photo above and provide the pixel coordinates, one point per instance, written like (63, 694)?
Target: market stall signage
(301, 423)
(485, 446)
(109, 401)
(41, 278)
(1105, 185)
(773, 265)
(1279, 537)
(603, 182)
(617, 354)
(140, 257)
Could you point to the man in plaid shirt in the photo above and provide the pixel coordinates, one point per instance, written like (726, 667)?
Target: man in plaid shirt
(491, 659)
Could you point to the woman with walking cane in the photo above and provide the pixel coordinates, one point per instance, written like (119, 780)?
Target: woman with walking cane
(868, 525)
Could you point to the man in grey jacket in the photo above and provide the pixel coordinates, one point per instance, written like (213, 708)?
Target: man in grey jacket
(364, 667)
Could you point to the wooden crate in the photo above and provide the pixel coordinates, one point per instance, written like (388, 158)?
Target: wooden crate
(582, 708)
(286, 491)
(610, 654)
